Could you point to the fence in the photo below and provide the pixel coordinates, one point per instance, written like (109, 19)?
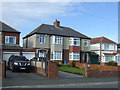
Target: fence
(47, 68)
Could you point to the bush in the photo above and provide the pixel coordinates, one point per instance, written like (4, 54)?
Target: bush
(73, 63)
(59, 64)
(66, 65)
(112, 63)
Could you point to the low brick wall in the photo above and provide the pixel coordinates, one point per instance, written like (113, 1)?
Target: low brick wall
(52, 70)
(95, 73)
(99, 67)
(2, 69)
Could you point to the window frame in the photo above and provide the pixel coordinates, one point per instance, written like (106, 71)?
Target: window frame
(42, 37)
(86, 41)
(73, 54)
(56, 54)
(8, 41)
(72, 41)
(107, 46)
(57, 40)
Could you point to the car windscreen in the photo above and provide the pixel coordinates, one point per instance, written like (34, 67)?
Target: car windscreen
(18, 58)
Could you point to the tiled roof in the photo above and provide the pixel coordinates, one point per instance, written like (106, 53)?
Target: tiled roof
(102, 40)
(110, 54)
(52, 30)
(6, 28)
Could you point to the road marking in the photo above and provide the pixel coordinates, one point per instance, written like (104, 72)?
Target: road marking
(61, 85)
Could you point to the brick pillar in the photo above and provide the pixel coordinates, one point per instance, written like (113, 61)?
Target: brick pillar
(2, 69)
(52, 70)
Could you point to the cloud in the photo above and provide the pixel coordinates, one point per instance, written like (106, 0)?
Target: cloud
(26, 12)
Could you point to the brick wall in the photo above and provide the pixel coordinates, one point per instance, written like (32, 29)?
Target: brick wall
(99, 67)
(2, 69)
(93, 73)
(52, 70)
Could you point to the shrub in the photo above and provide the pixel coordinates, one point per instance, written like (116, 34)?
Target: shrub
(112, 63)
(66, 65)
(73, 63)
(59, 64)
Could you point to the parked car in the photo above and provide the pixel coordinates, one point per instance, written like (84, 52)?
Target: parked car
(18, 63)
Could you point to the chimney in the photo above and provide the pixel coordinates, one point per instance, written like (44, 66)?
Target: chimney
(57, 23)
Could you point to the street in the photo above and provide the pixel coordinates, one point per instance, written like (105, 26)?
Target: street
(65, 80)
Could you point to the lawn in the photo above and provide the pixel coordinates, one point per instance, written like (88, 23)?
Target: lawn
(72, 70)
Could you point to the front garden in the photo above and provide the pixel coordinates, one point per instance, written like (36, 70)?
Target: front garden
(70, 68)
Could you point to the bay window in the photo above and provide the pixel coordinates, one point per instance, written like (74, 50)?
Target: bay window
(74, 56)
(57, 40)
(56, 55)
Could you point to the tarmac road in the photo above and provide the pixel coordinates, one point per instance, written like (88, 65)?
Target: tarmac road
(65, 80)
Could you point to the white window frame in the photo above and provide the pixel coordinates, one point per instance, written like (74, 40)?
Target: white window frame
(73, 54)
(56, 55)
(106, 45)
(73, 40)
(42, 37)
(85, 43)
(8, 41)
(57, 40)
(109, 58)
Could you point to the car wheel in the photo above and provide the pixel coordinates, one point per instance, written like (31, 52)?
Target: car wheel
(13, 69)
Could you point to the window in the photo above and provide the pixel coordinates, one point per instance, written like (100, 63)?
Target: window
(56, 55)
(74, 42)
(57, 39)
(106, 46)
(10, 39)
(86, 43)
(74, 56)
(42, 39)
(108, 58)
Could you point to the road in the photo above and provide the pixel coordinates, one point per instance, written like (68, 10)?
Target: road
(65, 80)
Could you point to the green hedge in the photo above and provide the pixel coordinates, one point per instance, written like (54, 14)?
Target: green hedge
(112, 63)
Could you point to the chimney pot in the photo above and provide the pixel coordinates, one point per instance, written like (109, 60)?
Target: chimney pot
(57, 23)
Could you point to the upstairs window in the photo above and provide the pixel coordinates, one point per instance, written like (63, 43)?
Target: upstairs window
(42, 39)
(74, 42)
(106, 46)
(57, 39)
(85, 43)
(10, 39)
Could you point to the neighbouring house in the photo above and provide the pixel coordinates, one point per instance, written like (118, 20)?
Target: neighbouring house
(105, 48)
(10, 43)
(58, 43)
(118, 50)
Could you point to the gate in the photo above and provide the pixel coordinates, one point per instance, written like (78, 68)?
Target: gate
(94, 59)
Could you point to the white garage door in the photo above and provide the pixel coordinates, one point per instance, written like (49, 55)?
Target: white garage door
(6, 55)
(29, 55)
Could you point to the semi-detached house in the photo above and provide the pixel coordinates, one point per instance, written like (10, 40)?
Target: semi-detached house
(58, 43)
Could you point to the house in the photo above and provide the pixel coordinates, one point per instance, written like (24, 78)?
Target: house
(58, 43)
(105, 48)
(9, 42)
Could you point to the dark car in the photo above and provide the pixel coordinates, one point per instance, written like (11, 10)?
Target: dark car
(18, 63)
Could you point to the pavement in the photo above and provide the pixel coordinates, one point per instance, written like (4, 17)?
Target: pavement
(65, 80)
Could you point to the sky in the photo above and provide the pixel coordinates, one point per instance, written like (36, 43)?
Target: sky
(93, 19)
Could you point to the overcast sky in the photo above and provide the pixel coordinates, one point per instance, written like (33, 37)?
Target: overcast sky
(93, 19)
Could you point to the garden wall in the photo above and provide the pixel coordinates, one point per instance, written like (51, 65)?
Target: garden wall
(2, 69)
(99, 67)
(50, 69)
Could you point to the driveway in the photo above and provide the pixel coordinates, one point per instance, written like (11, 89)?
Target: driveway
(65, 80)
